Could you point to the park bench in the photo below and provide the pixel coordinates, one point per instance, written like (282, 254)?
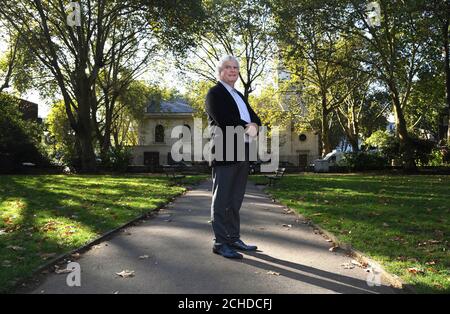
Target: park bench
(276, 176)
(172, 172)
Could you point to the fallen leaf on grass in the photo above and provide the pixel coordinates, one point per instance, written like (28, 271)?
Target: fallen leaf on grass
(416, 271)
(385, 225)
(126, 273)
(6, 264)
(15, 248)
(273, 273)
(47, 255)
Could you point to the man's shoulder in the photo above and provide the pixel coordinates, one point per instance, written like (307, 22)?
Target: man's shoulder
(218, 88)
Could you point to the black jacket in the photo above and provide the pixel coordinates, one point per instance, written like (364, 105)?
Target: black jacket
(223, 111)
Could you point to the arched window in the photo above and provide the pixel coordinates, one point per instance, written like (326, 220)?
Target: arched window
(159, 134)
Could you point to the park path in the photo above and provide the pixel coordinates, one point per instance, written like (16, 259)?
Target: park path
(292, 259)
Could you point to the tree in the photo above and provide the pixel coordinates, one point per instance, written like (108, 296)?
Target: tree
(19, 139)
(75, 57)
(397, 48)
(241, 28)
(314, 52)
(439, 29)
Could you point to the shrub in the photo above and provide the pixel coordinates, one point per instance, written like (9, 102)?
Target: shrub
(361, 161)
(438, 156)
(20, 140)
(117, 159)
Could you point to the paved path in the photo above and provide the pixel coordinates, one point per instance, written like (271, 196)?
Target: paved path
(178, 244)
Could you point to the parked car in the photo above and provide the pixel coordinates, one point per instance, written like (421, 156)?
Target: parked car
(331, 159)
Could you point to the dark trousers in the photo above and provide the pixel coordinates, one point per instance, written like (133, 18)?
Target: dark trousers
(229, 183)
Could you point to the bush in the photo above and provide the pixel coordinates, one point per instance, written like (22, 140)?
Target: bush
(117, 159)
(362, 161)
(390, 147)
(422, 150)
(438, 157)
(387, 144)
(20, 140)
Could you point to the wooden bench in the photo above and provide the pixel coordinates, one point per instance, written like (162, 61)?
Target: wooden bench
(172, 172)
(276, 176)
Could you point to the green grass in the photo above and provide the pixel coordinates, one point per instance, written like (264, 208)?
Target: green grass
(400, 221)
(44, 216)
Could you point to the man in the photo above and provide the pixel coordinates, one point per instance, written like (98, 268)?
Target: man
(227, 107)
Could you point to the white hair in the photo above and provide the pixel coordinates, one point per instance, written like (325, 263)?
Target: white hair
(222, 61)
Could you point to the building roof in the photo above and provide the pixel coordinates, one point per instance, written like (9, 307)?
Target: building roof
(173, 106)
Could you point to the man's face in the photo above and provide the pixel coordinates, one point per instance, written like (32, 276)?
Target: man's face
(230, 72)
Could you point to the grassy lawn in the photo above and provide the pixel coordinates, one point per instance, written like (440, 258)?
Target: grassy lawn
(44, 216)
(400, 221)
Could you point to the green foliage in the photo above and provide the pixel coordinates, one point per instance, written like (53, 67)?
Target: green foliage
(117, 159)
(361, 161)
(197, 94)
(422, 150)
(438, 158)
(385, 142)
(63, 142)
(19, 139)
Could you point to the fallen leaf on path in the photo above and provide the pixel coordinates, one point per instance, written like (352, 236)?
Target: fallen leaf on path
(286, 225)
(62, 271)
(348, 265)
(356, 263)
(332, 249)
(273, 273)
(126, 273)
(143, 257)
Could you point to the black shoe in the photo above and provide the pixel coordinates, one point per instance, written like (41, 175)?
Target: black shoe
(226, 251)
(242, 246)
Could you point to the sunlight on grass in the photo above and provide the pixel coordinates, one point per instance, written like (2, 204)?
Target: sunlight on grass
(400, 221)
(44, 216)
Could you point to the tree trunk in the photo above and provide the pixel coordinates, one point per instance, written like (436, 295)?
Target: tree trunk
(447, 75)
(406, 147)
(326, 147)
(85, 126)
(88, 163)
